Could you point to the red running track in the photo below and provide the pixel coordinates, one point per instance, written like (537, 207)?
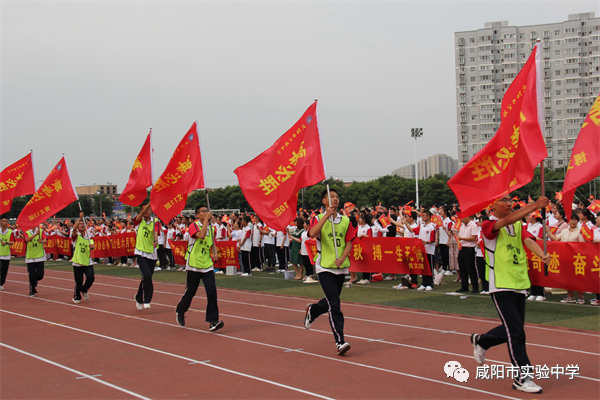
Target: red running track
(105, 348)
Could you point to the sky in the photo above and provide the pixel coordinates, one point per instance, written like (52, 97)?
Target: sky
(89, 79)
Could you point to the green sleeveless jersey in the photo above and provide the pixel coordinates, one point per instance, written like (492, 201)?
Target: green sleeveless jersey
(198, 254)
(144, 240)
(81, 251)
(5, 250)
(34, 248)
(509, 264)
(327, 253)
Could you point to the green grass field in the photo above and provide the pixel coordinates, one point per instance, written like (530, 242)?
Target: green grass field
(549, 312)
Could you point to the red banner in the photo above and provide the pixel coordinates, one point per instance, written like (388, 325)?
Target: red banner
(508, 161)
(584, 164)
(140, 177)
(228, 254)
(388, 255)
(58, 245)
(574, 266)
(120, 245)
(18, 248)
(271, 181)
(56, 193)
(16, 180)
(183, 174)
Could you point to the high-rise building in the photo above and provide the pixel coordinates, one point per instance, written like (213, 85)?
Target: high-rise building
(435, 164)
(488, 59)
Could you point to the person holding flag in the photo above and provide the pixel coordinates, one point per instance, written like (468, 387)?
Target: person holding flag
(35, 256)
(334, 236)
(507, 272)
(146, 242)
(82, 261)
(199, 267)
(7, 238)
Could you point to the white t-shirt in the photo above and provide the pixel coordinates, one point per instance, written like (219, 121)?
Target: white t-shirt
(256, 235)
(247, 246)
(270, 237)
(303, 250)
(443, 238)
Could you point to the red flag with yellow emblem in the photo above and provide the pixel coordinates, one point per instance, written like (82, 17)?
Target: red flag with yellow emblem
(508, 161)
(271, 181)
(56, 193)
(16, 180)
(584, 164)
(140, 177)
(183, 174)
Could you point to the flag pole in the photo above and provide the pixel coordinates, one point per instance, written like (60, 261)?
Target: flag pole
(543, 212)
(215, 252)
(332, 224)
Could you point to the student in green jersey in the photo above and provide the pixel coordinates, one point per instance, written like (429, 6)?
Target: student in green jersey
(35, 256)
(146, 242)
(82, 262)
(199, 266)
(331, 268)
(7, 238)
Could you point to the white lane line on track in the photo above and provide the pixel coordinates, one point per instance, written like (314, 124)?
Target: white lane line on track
(82, 375)
(288, 326)
(248, 341)
(303, 299)
(172, 355)
(345, 317)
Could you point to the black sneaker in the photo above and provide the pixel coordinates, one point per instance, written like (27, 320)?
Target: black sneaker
(475, 291)
(342, 348)
(180, 319)
(462, 290)
(215, 326)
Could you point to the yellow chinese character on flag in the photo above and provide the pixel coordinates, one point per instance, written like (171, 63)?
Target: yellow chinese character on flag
(268, 185)
(377, 252)
(579, 264)
(357, 252)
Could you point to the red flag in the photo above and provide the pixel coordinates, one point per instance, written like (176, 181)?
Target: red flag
(271, 181)
(508, 161)
(140, 177)
(587, 233)
(437, 220)
(16, 180)
(384, 221)
(558, 196)
(584, 164)
(183, 174)
(56, 193)
(594, 207)
(529, 200)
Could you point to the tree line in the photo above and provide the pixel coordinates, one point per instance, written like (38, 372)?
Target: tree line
(387, 190)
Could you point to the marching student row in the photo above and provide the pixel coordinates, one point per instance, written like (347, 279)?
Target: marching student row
(502, 232)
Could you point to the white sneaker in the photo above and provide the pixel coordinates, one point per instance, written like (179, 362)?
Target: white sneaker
(1, 288)
(245, 274)
(540, 298)
(85, 295)
(139, 306)
(219, 272)
(76, 301)
(531, 298)
(310, 280)
(527, 386)
(428, 288)
(146, 305)
(390, 278)
(399, 287)
(156, 269)
(421, 287)
(478, 351)
(484, 292)
(363, 282)
(109, 264)
(448, 273)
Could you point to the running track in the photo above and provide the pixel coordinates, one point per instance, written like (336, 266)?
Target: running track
(105, 348)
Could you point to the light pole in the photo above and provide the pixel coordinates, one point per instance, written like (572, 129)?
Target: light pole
(416, 133)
